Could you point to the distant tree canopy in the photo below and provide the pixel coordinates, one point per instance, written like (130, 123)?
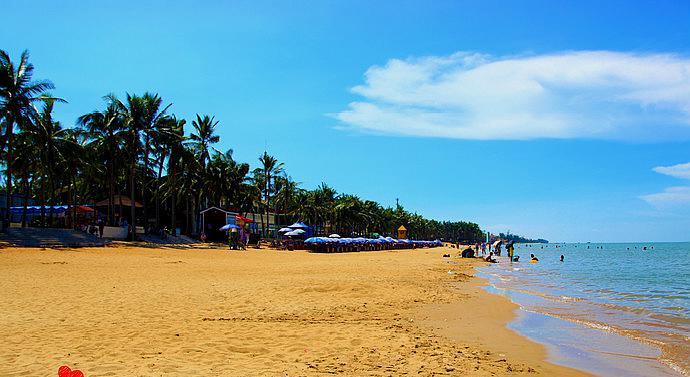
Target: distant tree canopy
(520, 239)
(134, 146)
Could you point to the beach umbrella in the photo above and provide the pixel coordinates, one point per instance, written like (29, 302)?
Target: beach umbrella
(298, 231)
(229, 226)
(298, 225)
(284, 230)
(334, 236)
(293, 233)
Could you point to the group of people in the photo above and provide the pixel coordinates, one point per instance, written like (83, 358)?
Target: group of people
(470, 252)
(237, 239)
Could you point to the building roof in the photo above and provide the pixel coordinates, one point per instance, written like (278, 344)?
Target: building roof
(218, 209)
(126, 202)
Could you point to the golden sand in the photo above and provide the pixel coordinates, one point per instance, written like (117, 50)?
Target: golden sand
(137, 311)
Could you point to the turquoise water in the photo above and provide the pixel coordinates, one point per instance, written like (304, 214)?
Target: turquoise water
(611, 309)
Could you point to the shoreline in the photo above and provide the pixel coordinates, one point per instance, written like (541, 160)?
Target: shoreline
(481, 318)
(587, 344)
(187, 311)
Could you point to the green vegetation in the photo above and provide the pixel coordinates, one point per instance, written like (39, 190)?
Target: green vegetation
(515, 238)
(135, 147)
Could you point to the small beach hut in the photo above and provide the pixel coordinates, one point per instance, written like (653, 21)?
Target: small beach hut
(213, 218)
(402, 232)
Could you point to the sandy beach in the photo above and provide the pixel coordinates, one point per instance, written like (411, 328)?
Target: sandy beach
(142, 311)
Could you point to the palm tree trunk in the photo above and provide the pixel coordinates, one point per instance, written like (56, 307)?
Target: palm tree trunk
(111, 191)
(8, 162)
(119, 198)
(158, 189)
(143, 182)
(268, 204)
(133, 221)
(186, 218)
(195, 227)
(27, 190)
(52, 198)
(43, 203)
(173, 227)
(173, 198)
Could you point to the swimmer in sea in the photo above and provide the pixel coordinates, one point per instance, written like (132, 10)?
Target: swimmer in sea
(534, 259)
(562, 258)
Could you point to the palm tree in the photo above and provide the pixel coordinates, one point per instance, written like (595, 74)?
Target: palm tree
(203, 136)
(153, 122)
(175, 144)
(17, 94)
(286, 194)
(270, 167)
(132, 113)
(54, 145)
(201, 139)
(105, 130)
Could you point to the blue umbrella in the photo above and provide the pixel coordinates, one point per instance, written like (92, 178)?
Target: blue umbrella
(294, 233)
(229, 226)
(298, 225)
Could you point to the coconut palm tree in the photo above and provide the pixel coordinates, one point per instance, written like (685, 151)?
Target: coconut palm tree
(18, 93)
(105, 129)
(203, 136)
(176, 149)
(54, 145)
(201, 139)
(286, 194)
(270, 168)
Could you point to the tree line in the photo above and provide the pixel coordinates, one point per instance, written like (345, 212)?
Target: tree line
(520, 239)
(135, 146)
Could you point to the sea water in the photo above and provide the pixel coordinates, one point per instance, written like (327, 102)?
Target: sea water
(618, 309)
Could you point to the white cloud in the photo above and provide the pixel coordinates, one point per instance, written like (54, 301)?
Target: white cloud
(670, 196)
(582, 94)
(679, 171)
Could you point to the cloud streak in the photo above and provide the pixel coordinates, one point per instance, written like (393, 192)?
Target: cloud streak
(681, 171)
(671, 196)
(581, 94)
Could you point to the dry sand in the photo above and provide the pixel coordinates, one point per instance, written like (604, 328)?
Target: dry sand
(136, 311)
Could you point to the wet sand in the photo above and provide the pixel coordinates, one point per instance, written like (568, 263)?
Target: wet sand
(180, 311)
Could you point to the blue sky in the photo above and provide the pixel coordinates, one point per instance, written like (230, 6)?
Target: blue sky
(544, 118)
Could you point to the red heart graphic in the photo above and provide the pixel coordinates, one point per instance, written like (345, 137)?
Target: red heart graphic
(76, 373)
(64, 371)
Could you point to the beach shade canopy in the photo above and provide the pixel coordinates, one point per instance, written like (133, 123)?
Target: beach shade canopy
(82, 209)
(117, 200)
(334, 235)
(313, 240)
(229, 226)
(294, 233)
(298, 225)
(243, 219)
(284, 230)
(298, 231)
(36, 210)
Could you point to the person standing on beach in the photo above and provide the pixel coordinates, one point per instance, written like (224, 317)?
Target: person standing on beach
(101, 227)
